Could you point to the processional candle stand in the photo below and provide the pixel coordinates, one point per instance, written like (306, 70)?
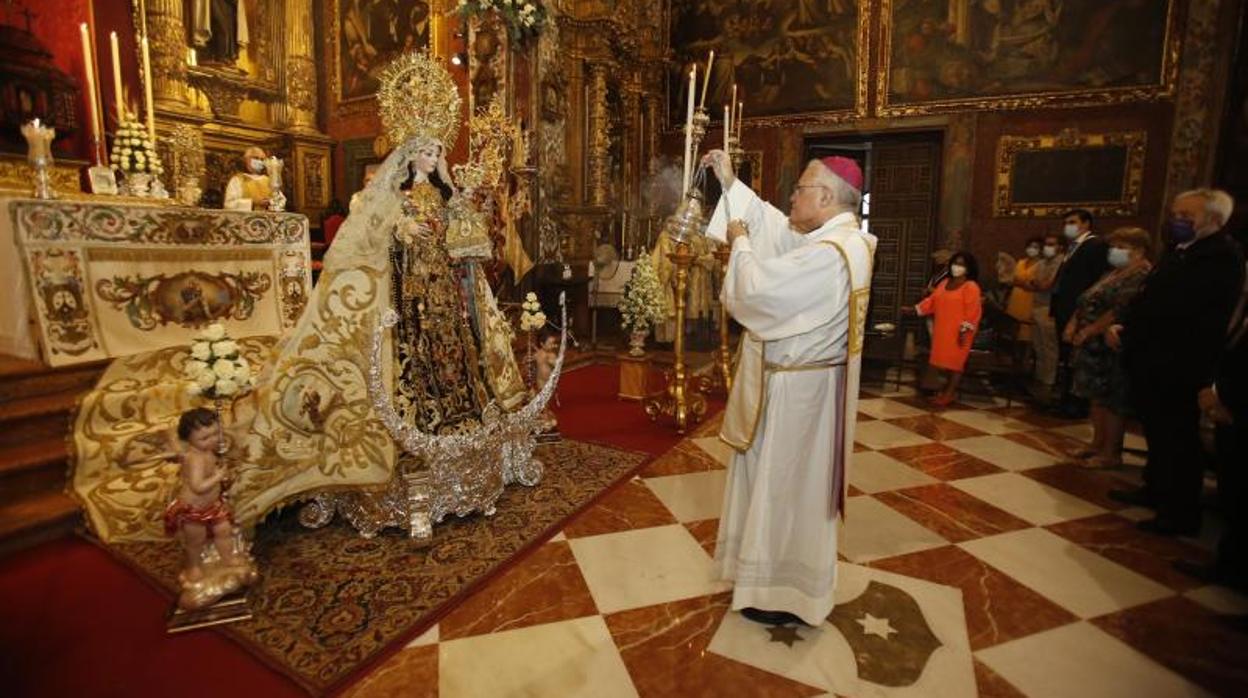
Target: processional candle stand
(677, 400)
(719, 380)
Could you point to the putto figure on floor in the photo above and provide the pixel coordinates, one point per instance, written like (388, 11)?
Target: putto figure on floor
(199, 513)
(799, 285)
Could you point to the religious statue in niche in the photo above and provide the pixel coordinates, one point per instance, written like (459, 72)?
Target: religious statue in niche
(372, 33)
(219, 30)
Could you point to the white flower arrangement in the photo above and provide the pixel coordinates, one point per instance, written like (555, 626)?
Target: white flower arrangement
(133, 151)
(217, 368)
(644, 303)
(531, 318)
(524, 19)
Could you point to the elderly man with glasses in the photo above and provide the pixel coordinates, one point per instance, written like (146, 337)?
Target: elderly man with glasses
(799, 285)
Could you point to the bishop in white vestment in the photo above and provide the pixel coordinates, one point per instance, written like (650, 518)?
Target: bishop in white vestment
(799, 285)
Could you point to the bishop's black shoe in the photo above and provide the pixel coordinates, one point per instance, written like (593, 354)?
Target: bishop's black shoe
(1168, 527)
(770, 617)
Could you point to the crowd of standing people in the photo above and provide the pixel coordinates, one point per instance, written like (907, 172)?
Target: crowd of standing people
(1125, 328)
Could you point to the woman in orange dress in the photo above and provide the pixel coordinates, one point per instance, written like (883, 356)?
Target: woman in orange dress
(955, 307)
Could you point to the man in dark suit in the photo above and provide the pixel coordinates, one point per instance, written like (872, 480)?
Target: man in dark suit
(1173, 334)
(1087, 260)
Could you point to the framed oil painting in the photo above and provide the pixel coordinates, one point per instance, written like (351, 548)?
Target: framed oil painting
(947, 55)
(366, 35)
(792, 60)
(1039, 176)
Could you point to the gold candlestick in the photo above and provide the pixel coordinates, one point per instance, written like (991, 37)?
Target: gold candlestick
(678, 401)
(720, 378)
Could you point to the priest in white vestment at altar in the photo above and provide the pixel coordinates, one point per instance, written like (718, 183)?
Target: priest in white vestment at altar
(799, 284)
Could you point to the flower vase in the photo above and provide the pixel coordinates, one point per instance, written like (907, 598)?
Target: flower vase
(637, 342)
(139, 183)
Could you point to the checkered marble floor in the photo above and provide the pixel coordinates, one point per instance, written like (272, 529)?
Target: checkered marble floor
(975, 561)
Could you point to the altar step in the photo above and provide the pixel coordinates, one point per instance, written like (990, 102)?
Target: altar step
(36, 404)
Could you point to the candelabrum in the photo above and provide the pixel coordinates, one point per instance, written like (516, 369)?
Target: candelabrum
(677, 401)
(720, 377)
(39, 139)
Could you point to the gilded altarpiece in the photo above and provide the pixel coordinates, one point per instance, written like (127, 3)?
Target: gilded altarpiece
(262, 92)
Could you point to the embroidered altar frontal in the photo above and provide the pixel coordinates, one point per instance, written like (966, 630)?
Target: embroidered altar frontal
(111, 280)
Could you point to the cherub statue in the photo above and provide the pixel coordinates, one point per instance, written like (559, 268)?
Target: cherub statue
(200, 513)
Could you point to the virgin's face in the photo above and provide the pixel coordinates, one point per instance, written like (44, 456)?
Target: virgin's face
(427, 159)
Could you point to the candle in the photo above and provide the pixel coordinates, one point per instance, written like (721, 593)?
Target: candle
(147, 91)
(91, 94)
(693, 86)
(740, 110)
(706, 81)
(191, 58)
(727, 129)
(117, 95)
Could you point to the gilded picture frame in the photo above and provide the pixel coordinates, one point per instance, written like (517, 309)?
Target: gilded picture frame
(1047, 175)
(936, 64)
(349, 95)
(792, 27)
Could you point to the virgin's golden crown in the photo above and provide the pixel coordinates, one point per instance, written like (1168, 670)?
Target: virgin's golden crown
(418, 98)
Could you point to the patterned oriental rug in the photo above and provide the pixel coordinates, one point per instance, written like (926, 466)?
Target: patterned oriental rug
(331, 604)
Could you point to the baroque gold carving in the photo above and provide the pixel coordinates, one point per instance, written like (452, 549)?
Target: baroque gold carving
(301, 83)
(1070, 139)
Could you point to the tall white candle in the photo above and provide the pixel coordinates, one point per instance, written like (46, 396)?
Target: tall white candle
(706, 81)
(92, 99)
(727, 129)
(147, 91)
(737, 121)
(693, 86)
(116, 52)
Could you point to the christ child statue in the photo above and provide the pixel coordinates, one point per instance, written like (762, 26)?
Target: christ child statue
(199, 513)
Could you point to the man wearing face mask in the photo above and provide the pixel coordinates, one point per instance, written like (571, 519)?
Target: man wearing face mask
(1085, 262)
(249, 190)
(1173, 334)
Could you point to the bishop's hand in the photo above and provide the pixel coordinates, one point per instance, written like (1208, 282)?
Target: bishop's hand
(721, 165)
(736, 229)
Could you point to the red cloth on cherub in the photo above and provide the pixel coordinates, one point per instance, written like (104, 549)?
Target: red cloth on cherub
(179, 512)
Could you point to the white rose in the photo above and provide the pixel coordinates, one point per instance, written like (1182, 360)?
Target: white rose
(201, 351)
(226, 347)
(540, 319)
(206, 380)
(226, 387)
(193, 390)
(215, 332)
(242, 372)
(195, 367)
(224, 368)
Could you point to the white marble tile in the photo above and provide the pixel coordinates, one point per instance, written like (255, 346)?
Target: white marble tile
(825, 657)
(883, 408)
(874, 530)
(987, 422)
(1134, 441)
(872, 471)
(429, 637)
(1136, 513)
(1066, 573)
(983, 401)
(1029, 500)
(719, 450)
(879, 434)
(558, 537)
(1003, 453)
(1080, 660)
(569, 658)
(1220, 599)
(644, 567)
(691, 496)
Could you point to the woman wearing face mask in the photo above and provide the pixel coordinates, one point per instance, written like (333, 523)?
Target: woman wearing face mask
(1099, 374)
(1021, 301)
(1044, 329)
(249, 190)
(955, 306)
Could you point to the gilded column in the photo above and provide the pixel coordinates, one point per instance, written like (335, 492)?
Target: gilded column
(653, 125)
(300, 94)
(631, 96)
(599, 135)
(166, 29)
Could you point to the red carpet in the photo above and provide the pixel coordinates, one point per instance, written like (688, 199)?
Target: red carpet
(76, 622)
